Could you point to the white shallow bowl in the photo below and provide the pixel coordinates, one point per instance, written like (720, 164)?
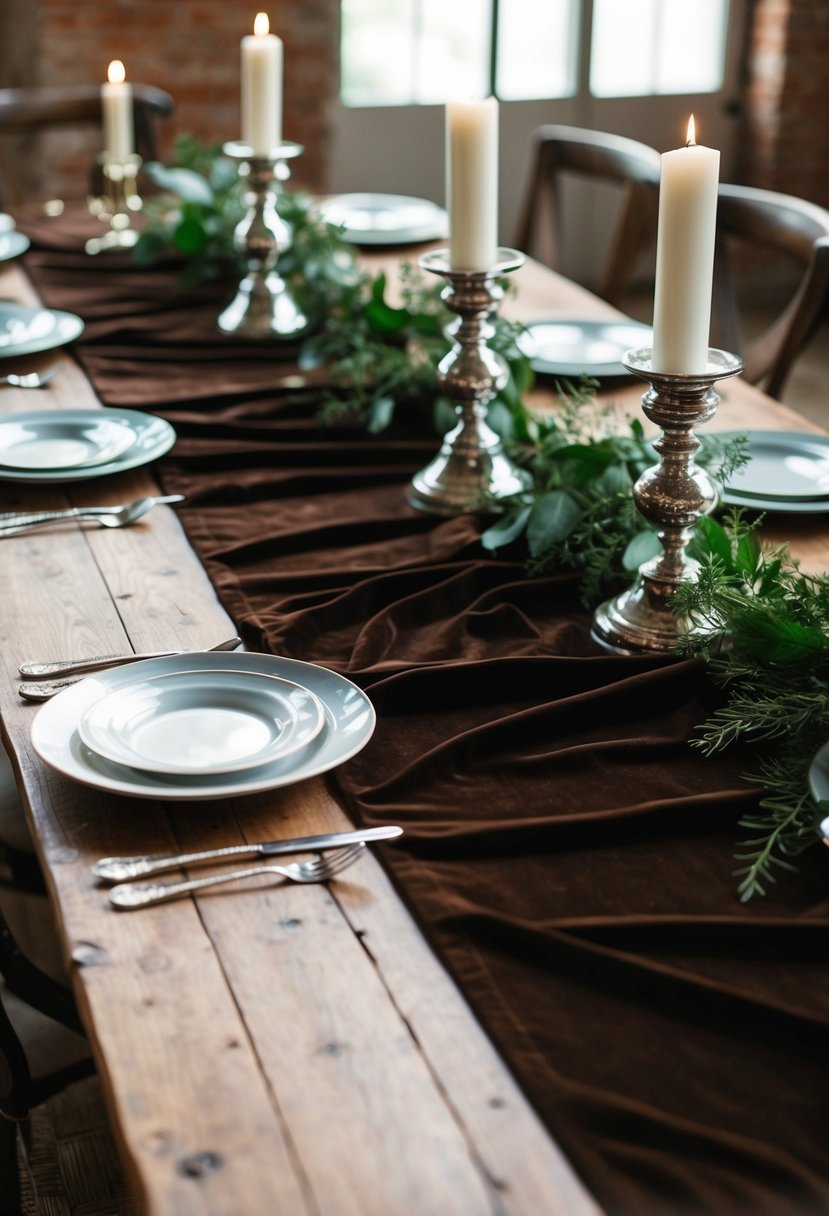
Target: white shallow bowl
(202, 722)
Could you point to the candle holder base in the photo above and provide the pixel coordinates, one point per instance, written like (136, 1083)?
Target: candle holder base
(116, 206)
(673, 495)
(471, 472)
(263, 308)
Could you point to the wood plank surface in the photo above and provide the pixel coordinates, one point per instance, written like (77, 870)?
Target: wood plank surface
(283, 1050)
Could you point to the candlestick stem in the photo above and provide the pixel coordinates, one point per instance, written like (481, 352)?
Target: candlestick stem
(263, 307)
(117, 204)
(471, 470)
(673, 494)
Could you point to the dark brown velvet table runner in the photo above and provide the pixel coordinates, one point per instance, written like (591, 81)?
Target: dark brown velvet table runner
(567, 853)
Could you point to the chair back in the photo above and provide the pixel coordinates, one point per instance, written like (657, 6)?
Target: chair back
(596, 154)
(29, 111)
(754, 221)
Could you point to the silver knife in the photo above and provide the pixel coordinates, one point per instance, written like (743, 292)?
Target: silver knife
(118, 869)
(66, 666)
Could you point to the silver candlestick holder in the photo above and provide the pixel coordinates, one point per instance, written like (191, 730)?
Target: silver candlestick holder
(471, 470)
(117, 204)
(673, 495)
(263, 307)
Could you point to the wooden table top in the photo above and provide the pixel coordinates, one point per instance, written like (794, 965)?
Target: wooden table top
(358, 1083)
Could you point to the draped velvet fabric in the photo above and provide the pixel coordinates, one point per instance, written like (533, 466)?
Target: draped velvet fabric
(569, 856)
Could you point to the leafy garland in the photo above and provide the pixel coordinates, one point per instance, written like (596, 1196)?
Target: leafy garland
(378, 356)
(761, 625)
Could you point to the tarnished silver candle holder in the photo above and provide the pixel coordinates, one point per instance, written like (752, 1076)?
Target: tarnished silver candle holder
(263, 307)
(471, 470)
(117, 204)
(673, 495)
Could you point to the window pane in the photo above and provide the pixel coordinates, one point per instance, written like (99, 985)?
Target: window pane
(537, 42)
(396, 52)
(644, 47)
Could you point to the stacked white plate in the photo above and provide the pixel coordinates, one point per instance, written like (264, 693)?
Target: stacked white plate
(53, 446)
(209, 725)
(787, 471)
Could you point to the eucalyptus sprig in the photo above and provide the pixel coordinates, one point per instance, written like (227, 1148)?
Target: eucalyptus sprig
(382, 358)
(196, 216)
(763, 626)
(580, 513)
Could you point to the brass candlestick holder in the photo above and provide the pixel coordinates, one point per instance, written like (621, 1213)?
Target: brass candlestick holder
(673, 495)
(117, 204)
(263, 307)
(471, 469)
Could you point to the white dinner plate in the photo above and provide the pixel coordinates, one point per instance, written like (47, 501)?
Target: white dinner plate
(12, 244)
(789, 469)
(27, 331)
(385, 219)
(349, 724)
(73, 445)
(63, 440)
(575, 348)
(200, 722)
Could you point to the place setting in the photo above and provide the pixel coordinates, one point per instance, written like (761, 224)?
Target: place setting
(53, 446)
(200, 725)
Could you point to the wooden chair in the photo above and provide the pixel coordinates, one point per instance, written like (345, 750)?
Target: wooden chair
(29, 111)
(752, 223)
(559, 150)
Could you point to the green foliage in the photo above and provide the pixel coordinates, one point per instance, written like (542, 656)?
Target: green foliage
(763, 626)
(580, 513)
(382, 358)
(199, 209)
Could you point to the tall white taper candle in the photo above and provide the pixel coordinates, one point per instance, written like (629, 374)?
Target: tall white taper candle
(472, 183)
(685, 257)
(261, 88)
(116, 112)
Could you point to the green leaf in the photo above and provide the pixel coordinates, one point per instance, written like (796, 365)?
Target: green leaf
(505, 530)
(641, 548)
(381, 412)
(711, 539)
(190, 236)
(189, 186)
(552, 518)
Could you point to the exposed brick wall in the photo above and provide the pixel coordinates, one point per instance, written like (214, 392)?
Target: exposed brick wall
(787, 100)
(191, 49)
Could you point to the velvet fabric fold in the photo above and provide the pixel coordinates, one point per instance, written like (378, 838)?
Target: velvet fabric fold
(567, 853)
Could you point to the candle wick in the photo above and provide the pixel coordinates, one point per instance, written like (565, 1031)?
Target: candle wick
(690, 143)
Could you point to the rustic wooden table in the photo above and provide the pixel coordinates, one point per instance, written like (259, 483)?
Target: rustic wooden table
(295, 1050)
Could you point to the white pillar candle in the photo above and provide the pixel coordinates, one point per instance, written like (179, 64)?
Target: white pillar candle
(116, 112)
(472, 183)
(685, 257)
(261, 88)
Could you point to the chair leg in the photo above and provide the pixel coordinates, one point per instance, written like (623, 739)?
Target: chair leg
(9, 1173)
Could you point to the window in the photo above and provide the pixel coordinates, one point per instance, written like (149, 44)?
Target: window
(416, 52)
(406, 52)
(646, 47)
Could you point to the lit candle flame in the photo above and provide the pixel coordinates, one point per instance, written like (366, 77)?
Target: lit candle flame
(116, 73)
(692, 133)
(261, 25)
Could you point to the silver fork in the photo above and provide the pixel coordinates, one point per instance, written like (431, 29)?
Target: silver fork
(106, 517)
(321, 869)
(29, 379)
